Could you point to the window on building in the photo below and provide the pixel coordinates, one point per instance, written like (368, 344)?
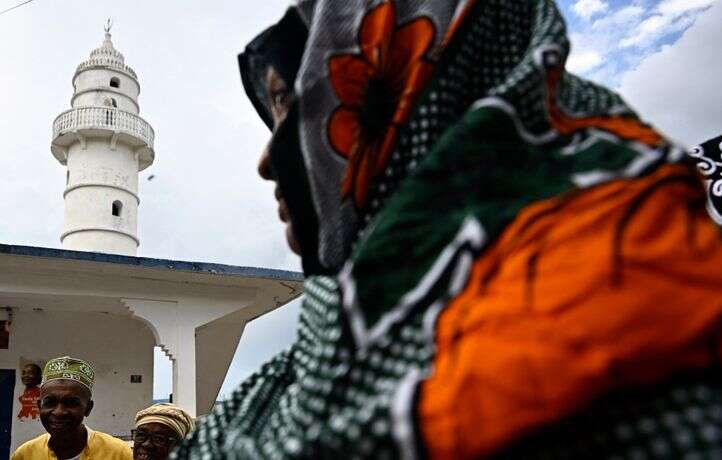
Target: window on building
(117, 208)
(115, 82)
(114, 102)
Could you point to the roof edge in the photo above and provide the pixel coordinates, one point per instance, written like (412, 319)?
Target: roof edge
(151, 263)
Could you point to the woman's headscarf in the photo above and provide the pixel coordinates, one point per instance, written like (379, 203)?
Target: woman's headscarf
(380, 87)
(708, 157)
(358, 80)
(438, 143)
(280, 46)
(365, 65)
(366, 113)
(169, 415)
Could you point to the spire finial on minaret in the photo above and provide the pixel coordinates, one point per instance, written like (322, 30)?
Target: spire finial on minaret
(108, 26)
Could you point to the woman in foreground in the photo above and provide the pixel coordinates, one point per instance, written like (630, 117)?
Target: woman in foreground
(503, 260)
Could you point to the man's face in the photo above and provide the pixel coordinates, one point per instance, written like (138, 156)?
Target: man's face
(31, 375)
(153, 441)
(280, 96)
(63, 406)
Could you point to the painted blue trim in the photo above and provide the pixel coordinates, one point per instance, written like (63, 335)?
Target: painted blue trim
(158, 264)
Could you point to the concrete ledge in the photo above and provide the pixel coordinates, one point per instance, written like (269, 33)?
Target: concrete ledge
(99, 229)
(98, 184)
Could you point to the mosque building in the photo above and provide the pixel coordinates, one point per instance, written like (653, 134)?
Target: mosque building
(95, 299)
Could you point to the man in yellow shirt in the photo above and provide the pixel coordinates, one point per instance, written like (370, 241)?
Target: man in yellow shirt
(65, 401)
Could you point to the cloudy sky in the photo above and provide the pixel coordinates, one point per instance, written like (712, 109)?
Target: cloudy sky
(206, 202)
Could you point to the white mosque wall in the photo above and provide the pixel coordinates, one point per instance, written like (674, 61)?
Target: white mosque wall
(101, 182)
(117, 346)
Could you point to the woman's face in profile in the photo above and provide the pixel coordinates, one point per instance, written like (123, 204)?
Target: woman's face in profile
(279, 94)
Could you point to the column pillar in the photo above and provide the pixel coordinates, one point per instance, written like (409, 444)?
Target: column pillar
(185, 371)
(200, 340)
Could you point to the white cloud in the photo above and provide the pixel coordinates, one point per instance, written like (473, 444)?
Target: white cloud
(626, 34)
(584, 61)
(648, 30)
(619, 18)
(588, 8)
(677, 88)
(669, 16)
(593, 48)
(677, 7)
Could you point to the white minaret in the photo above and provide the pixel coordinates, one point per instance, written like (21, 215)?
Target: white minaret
(104, 144)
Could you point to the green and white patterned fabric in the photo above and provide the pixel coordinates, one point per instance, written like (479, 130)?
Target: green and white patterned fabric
(346, 387)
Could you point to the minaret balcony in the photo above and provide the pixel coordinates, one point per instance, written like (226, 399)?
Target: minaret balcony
(118, 125)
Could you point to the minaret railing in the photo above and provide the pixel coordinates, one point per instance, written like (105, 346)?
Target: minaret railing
(106, 62)
(103, 118)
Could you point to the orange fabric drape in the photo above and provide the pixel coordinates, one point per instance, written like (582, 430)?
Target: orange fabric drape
(616, 286)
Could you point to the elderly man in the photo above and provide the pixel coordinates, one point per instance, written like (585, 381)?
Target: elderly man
(65, 401)
(158, 430)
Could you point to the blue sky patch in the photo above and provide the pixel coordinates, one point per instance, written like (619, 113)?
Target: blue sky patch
(612, 37)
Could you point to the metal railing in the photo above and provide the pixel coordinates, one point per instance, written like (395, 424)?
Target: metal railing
(103, 118)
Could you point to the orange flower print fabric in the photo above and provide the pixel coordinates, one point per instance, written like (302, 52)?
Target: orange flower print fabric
(377, 89)
(517, 351)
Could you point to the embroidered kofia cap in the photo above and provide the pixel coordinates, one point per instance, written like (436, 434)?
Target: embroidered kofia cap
(67, 368)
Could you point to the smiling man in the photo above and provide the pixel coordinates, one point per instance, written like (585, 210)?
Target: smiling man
(158, 430)
(65, 401)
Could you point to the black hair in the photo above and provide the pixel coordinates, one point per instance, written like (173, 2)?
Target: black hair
(281, 46)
